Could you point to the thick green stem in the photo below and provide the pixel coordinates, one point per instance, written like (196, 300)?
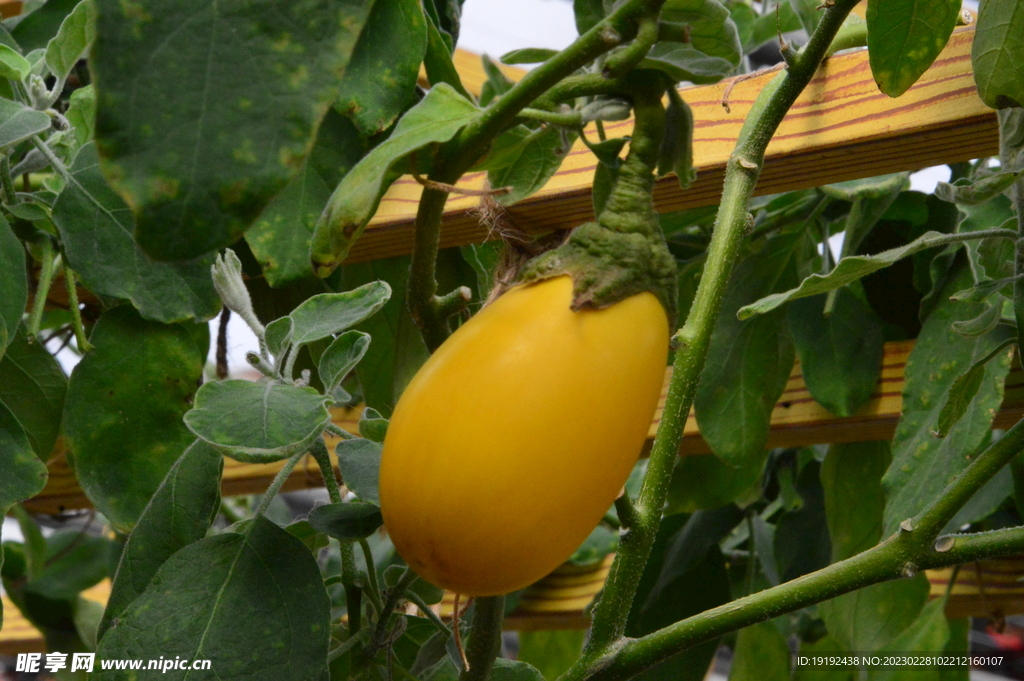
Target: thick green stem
(49, 264)
(373, 587)
(353, 593)
(422, 288)
(742, 171)
(485, 638)
(323, 460)
(394, 595)
(6, 181)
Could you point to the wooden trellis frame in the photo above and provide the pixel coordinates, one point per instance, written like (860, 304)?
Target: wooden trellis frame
(840, 128)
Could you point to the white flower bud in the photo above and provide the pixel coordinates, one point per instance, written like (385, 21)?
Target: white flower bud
(227, 279)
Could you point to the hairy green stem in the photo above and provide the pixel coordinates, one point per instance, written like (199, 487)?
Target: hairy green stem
(76, 313)
(353, 594)
(572, 119)
(742, 171)
(485, 638)
(278, 481)
(456, 157)
(339, 431)
(394, 595)
(49, 263)
(323, 460)
(371, 575)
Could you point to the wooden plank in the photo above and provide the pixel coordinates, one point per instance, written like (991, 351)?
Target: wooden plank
(797, 420)
(841, 128)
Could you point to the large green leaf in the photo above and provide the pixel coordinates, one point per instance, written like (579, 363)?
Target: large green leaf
(13, 284)
(802, 540)
(38, 28)
(260, 592)
(24, 474)
(749, 361)
(995, 54)
(76, 33)
(928, 633)
(534, 162)
(870, 618)
(396, 351)
(258, 422)
(761, 654)
(840, 354)
(436, 118)
(684, 62)
(96, 228)
(341, 357)
(199, 146)
(922, 464)
(347, 521)
(280, 237)
(851, 478)
(514, 670)
(19, 122)
(904, 37)
(33, 387)
(326, 314)
(380, 81)
(179, 514)
(123, 415)
(359, 463)
(857, 266)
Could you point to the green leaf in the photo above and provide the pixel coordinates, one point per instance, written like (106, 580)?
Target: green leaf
(348, 521)
(380, 81)
(278, 336)
(200, 605)
(74, 562)
(13, 284)
(436, 118)
(281, 235)
(81, 114)
(871, 199)
(341, 357)
(972, 193)
(588, 14)
(19, 122)
(676, 154)
(76, 34)
(928, 633)
(995, 54)
(372, 426)
(38, 28)
(535, 161)
(983, 290)
(514, 670)
(748, 361)
(851, 478)
(326, 314)
(710, 27)
(258, 422)
(840, 354)
(986, 501)
(431, 594)
(983, 323)
(527, 55)
(397, 350)
(201, 145)
(95, 225)
(904, 37)
(309, 536)
(595, 547)
(922, 464)
(437, 61)
(551, 652)
(13, 65)
(857, 266)
(826, 645)
(359, 463)
(761, 654)
(179, 513)
(684, 62)
(703, 482)
(33, 387)
(126, 399)
(782, 19)
(497, 82)
(802, 540)
(870, 618)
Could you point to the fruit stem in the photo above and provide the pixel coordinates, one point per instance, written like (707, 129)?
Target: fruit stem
(692, 340)
(484, 638)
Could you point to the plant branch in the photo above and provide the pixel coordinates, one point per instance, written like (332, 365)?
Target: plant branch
(49, 263)
(275, 486)
(693, 339)
(371, 575)
(6, 181)
(323, 459)
(394, 595)
(485, 638)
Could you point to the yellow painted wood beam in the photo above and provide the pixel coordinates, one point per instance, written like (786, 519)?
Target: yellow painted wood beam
(841, 128)
(797, 420)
